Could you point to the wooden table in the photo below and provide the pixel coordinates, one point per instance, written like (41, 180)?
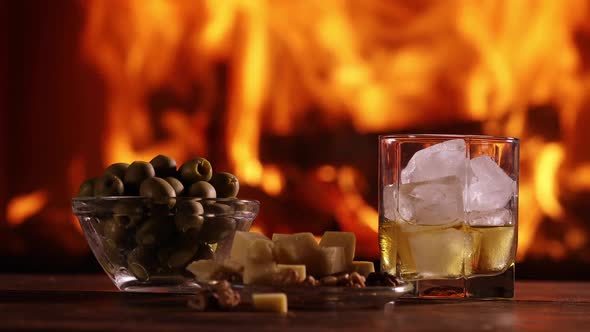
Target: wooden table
(91, 303)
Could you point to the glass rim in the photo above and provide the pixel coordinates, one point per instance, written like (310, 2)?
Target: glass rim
(420, 137)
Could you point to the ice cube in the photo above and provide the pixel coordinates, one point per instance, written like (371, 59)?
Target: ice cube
(472, 251)
(435, 202)
(490, 188)
(497, 249)
(390, 202)
(437, 161)
(437, 253)
(499, 217)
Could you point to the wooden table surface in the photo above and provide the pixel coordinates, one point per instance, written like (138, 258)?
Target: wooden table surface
(91, 303)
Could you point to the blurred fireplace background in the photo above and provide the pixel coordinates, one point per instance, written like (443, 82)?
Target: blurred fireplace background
(290, 96)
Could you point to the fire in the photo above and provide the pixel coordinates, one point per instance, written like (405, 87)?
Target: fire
(272, 182)
(546, 186)
(326, 173)
(20, 208)
(380, 66)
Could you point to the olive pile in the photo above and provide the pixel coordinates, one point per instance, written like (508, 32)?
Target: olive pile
(177, 221)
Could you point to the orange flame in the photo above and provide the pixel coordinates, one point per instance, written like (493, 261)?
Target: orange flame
(546, 188)
(20, 208)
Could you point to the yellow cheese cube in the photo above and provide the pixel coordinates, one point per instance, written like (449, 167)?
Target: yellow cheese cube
(295, 248)
(272, 302)
(302, 249)
(277, 236)
(233, 266)
(260, 251)
(330, 260)
(347, 240)
(259, 273)
(260, 264)
(242, 241)
(300, 269)
(204, 269)
(363, 267)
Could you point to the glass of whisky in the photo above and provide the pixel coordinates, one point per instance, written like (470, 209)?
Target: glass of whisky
(448, 213)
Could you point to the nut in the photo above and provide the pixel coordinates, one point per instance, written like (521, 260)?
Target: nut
(329, 281)
(356, 280)
(220, 295)
(226, 297)
(202, 301)
(310, 282)
(285, 277)
(221, 285)
(343, 279)
(353, 279)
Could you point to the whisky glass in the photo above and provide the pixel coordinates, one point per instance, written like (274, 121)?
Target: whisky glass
(448, 213)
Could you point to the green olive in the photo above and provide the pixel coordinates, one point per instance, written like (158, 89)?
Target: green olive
(129, 213)
(153, 232)
(108, 185)
(226, 184)
(158, 190)
(176, 184)
(189, 215)
(182, 255)
(140, 262)
(139, 270)
(189, 207)
(201, 189)
(186, 222)
(136, 173)
(164, 166)
(87, 188)
(216, 229)
(114, 231)
(117, 169)
(217, 209)
(129, 221)
(198, 169)
(205, 252)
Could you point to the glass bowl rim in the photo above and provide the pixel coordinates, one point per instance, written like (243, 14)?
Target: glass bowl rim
(419, 137)
(139, 198)
(88, 205)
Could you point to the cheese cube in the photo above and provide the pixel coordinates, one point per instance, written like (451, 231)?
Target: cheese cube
(277, 236)
(204, 269)
(259, 273)
(272, 302)
(300, 269)
(260, 264)
(232, 266)
(347, 240)
(302, 249)
(295, 248)
(260, 251)
(242, 241)
(363, 267)
(330, 260)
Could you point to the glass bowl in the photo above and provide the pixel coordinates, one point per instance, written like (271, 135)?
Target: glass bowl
(144, 246)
